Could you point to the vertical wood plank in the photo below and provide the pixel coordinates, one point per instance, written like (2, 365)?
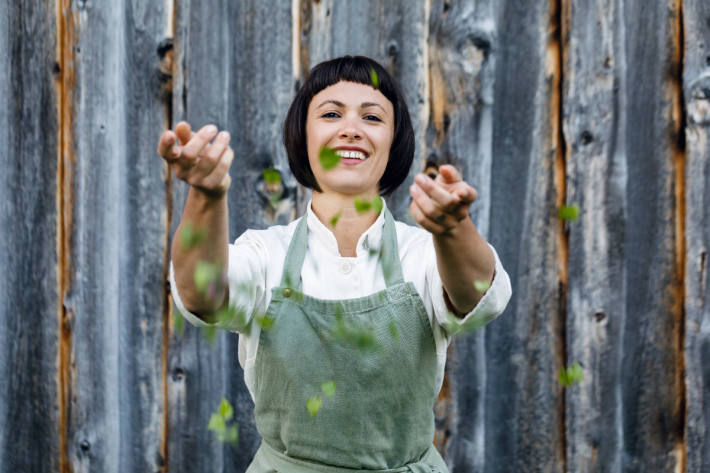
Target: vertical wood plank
(235, 69)
(116, 420)
(595, 127)
(462, 52)
(696, 74)
(29, 418)
(651, 369)
(524, 424)
(394, 33)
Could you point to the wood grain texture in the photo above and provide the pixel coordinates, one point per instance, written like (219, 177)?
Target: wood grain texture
(115, 419)
(696, 87)
(29, 416)
(463, 49)
(595, 126)
(235, 69)
(524, 424)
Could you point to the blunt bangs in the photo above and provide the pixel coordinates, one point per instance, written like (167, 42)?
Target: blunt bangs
(350, 69)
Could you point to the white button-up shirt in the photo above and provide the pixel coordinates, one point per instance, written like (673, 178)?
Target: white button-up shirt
(256, 262)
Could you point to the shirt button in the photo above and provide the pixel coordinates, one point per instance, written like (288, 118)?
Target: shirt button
(346, 267)
(287, 292)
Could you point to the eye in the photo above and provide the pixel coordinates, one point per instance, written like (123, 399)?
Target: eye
(372, 118)
(329, 115)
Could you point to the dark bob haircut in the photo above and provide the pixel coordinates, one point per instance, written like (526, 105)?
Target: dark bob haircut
(349, 69)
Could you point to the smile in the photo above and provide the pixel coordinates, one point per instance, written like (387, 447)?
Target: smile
(351, 154)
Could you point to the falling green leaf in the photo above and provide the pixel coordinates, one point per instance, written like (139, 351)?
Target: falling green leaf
(359, 335)
(178, 323)
(481, 286)
(328, 388)
(377, 204)
(362, 206)
(374, 78)
(232, 435)
(265, 321)
(572, 375)
(217, 423)
(328, 158)
(314, 404)
(334, 220)
(190, 238)
(210, 333)
(271, 176)
(569, 212)
(225, 409)
(205, 273)
(393, 330)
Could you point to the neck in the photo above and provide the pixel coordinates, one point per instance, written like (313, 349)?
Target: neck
(350, 225)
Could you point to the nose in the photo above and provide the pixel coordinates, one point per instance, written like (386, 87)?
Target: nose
(350, 131)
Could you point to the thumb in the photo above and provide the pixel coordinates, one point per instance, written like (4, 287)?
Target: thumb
(183, 132)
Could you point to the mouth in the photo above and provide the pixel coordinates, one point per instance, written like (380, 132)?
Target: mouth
(351, 154)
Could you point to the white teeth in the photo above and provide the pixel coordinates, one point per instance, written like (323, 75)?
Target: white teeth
(350, 154)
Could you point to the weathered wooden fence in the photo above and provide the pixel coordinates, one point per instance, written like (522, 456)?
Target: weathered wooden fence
(600, 103)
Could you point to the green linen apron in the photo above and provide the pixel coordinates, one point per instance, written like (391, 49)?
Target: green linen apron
(378, 350)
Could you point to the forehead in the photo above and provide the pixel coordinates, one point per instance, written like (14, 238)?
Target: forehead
(351, 94)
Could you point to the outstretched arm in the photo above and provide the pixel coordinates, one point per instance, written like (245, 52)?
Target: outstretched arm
(463, 256)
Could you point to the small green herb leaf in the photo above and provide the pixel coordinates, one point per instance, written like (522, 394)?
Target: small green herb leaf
(225, 409)
(217, 423)
(374, 78)
(328, 388)
(572, 375)
(328, 158)
(191, 237)
(271, 176)
(334, 220)
(569, 212)
(481, 286)
(205, 273)
(314, 404)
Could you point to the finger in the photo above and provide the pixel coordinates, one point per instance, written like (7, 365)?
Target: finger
(425, 222)
(198, 141)
(466, 194)
(183, 132)
(450, 174)
(211, 155)
(219, 178)
(429, 208)
(166, 146)
(443, 198)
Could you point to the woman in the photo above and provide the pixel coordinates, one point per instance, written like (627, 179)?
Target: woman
(336, 269)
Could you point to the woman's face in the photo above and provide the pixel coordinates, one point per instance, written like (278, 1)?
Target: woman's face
(350, 115)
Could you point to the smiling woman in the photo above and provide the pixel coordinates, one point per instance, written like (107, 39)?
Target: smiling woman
(344, 315)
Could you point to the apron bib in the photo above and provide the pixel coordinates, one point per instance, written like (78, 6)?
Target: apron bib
(379, 351)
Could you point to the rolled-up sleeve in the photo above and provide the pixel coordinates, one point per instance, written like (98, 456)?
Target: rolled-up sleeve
(491, 305)
(246, 277)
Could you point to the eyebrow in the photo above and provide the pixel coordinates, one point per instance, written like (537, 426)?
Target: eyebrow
(341, 104)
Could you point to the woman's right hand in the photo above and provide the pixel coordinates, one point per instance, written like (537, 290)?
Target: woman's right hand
(195, 160)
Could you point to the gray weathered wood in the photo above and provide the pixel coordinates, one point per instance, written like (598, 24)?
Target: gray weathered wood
(595, 128)
(29, 414)
(236, 73)
(462, 52)
(116, 420)
(524, 424)
(696, 86)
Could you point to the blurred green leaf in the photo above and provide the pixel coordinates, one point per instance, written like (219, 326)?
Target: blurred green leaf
(271, 176)
(334, 220)
(210, 333)
(265, 321)
(178, 323)
(232, 435)
(205, 273)
(393, 330)
(328, 158)
(225, 409)
(377, 204)
(481, 286)
(355, 334)
(572, 375)
(216, 423)
(374, 78)
(314, 404)
(569, 212)
(328, 388)
(191, 237)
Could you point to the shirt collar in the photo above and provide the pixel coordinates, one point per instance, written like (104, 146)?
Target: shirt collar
(318, 232)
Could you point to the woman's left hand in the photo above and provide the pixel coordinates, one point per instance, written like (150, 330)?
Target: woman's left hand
(440, 204)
